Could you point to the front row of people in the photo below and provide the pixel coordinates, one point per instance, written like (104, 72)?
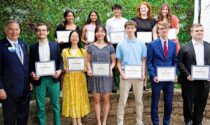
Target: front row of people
(15, 69)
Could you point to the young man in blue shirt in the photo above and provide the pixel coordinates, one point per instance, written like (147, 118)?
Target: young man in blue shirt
(130, 51)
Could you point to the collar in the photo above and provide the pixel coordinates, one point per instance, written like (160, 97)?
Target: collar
(114, 18)
(44, 43)
(133, 40)
(12, 42)
(196, 42)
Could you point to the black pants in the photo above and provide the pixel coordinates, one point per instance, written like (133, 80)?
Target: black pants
(16, 110)
(194, 101)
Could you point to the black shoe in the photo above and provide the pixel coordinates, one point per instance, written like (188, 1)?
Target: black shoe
(188, 123)
(145, 88)
(114, 91)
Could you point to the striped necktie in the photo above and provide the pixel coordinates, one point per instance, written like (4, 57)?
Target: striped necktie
(18, 51)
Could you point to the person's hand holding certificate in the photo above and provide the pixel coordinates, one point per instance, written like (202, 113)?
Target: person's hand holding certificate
(101, 69)
(166, 73)
(76, 63)
(63, 36)
(117, 37)
(200, 72)
(133, 72)
(45, 68)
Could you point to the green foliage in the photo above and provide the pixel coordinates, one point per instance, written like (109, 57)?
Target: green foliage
(29, 12)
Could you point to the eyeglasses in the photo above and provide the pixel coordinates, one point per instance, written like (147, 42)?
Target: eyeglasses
(41, 30)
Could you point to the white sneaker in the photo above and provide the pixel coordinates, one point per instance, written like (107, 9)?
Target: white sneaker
(139, 123)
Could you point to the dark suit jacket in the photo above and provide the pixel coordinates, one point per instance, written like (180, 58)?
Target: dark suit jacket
(54, 55)
(155, 56)
(186, 58)
(14, 76)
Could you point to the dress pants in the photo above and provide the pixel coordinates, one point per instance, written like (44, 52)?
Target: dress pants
(16, 110)
(125, 86)
(194, 101)
(51, 88)
(168, 91)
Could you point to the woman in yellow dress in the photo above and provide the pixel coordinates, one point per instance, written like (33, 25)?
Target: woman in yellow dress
(75, 96)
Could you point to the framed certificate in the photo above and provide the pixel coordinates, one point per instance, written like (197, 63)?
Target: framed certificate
(145, 37)
(172, 33)
(101, 69)
(76, 63)
(45, 68)
(166, 73)
(117, 36)
(133, 72)
(200, 72)
(63, 36)
(90, 35)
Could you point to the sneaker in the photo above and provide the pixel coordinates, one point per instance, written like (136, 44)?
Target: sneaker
(139, 123)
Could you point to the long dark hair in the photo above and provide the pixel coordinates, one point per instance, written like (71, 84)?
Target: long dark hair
(65, 14)
(97, 29)
(98, 22)
(79, 44)
(169, 15)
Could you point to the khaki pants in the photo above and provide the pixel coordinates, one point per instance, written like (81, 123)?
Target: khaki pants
(125, 86)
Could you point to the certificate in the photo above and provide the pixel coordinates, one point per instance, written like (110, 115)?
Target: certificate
(172, 33)
(100, 69)
(200, 72)
(90, 35)
(63, 36)
(45, 68)
(76, 63)
(117, 37)
(166, 73)
(133, 72)
(145, 37)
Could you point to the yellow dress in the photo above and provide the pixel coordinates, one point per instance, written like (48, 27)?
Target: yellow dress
(75, 96)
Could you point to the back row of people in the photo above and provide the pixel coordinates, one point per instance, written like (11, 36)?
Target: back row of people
(129, 52)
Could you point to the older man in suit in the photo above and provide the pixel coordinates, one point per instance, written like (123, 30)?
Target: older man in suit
(44, 51)
(161, 53)
(14, 76)
(194, 92)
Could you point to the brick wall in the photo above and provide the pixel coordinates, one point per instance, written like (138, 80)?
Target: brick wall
(130, 115)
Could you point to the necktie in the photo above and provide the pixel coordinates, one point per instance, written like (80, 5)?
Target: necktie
(165, 49)
(18, 51)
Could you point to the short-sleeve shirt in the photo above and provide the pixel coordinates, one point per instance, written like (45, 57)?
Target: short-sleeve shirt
(131, 52)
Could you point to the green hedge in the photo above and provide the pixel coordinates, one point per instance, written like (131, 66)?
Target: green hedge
(29, 12)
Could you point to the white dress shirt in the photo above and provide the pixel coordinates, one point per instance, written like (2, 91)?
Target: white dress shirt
(44, 51)
(115, 24)
(199, 52)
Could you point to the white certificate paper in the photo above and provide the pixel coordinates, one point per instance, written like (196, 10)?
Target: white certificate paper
(63, 36)
(200, 72)
(100, 69)
(76, 63)
(166, 73)
(45, 68)
(90, 35)
(117, 37)
(172, 33)
(133, 72)
(145, 37)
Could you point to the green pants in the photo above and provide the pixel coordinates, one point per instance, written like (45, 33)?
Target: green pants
(53, 90)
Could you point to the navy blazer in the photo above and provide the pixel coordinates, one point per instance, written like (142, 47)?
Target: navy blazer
(14, 76)
(155, 56)
(55, 55)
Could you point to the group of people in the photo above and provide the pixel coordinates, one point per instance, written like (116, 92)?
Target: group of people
(18, 71)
